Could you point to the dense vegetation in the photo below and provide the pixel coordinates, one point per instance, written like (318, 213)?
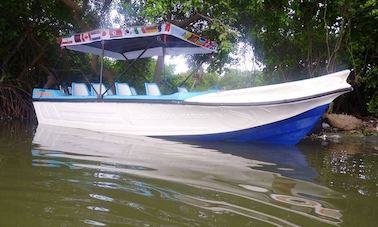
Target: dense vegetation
(292, 39)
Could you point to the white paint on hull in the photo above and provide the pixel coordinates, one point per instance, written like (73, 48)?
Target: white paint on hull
(279, 92)
(212, 113)
(154, 119)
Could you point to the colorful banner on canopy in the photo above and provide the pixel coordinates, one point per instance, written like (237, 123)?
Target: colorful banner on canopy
(88, 38)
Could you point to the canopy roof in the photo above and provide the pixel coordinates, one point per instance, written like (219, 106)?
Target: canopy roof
(130, 43)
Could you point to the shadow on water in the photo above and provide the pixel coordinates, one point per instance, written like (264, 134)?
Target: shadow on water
(75, 177)
(286, 160)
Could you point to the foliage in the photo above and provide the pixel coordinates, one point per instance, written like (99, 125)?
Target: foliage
(140, 72)
(235, 79)
(30, 51)
(363, 52)
(296, 38)
(293, 39)
(27, 29)
(213, 23)
(231, 79)
(20, 107)
(29, 45)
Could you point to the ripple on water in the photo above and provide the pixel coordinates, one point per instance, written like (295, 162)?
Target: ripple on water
(101, 197)
(77, 178)
(92, 222)
(253, 188)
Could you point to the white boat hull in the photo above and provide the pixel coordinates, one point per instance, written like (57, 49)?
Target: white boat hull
(197, 116)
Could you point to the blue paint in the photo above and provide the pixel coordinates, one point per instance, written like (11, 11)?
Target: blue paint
(53, 94)
(288, 131)
(46, 93)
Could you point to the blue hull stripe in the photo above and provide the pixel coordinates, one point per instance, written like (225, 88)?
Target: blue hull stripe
(288, 131)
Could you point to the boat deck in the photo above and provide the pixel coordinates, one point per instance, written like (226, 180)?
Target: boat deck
(55, 94)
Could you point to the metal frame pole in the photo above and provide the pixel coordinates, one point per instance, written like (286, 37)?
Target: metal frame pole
(132, 63)
(99, 95)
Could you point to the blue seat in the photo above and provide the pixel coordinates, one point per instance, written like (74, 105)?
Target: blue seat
(80, 89)
(133, 91)
(123, 89)
(182, 89)
(152, 89)
(95, 89)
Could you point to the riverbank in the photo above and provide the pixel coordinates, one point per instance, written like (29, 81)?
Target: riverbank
(356, 131)
(347, 138)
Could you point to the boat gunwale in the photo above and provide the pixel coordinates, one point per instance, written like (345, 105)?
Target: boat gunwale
(183, 102)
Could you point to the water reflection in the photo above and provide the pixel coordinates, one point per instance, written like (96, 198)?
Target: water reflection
(173, 182)
(348, 165)
(283, 159)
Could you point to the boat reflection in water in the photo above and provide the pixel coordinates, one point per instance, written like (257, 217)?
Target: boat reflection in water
(227, 183)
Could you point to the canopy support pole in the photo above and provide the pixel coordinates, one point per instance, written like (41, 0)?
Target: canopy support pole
(163, 63)
(160, 63)
(164, 46)
(130, 65)
(100, 95)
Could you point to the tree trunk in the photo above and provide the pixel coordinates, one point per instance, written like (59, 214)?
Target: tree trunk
(180, 23)
(159, 67)
(51, 79)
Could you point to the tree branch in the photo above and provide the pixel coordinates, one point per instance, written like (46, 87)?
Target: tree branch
(327, 33)
(78, 12)
(186, 22)
(35, 61)
(14, 50)
(51, 79)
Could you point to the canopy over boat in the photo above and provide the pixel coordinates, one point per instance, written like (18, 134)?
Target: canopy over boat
(139, 42)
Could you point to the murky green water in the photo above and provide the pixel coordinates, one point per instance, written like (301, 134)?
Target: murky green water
(68, 177)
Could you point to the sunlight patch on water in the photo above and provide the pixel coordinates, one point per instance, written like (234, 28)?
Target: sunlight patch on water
(101, 197)
(94, 208)
(253, 188)
(92, 222)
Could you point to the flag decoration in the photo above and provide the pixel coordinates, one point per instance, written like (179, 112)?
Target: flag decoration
(201, 41)
(65, 40)
(150, 29)
(193, 38)
(86, 36)
(96, 35)
(113, 33)
(77, 38)
(167, 29)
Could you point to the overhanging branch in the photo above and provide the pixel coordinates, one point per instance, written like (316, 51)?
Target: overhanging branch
(186, 22)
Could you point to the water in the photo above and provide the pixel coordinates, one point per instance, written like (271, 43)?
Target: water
(68, 177)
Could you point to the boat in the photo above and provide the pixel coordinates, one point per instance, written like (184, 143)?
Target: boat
(281, 114)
